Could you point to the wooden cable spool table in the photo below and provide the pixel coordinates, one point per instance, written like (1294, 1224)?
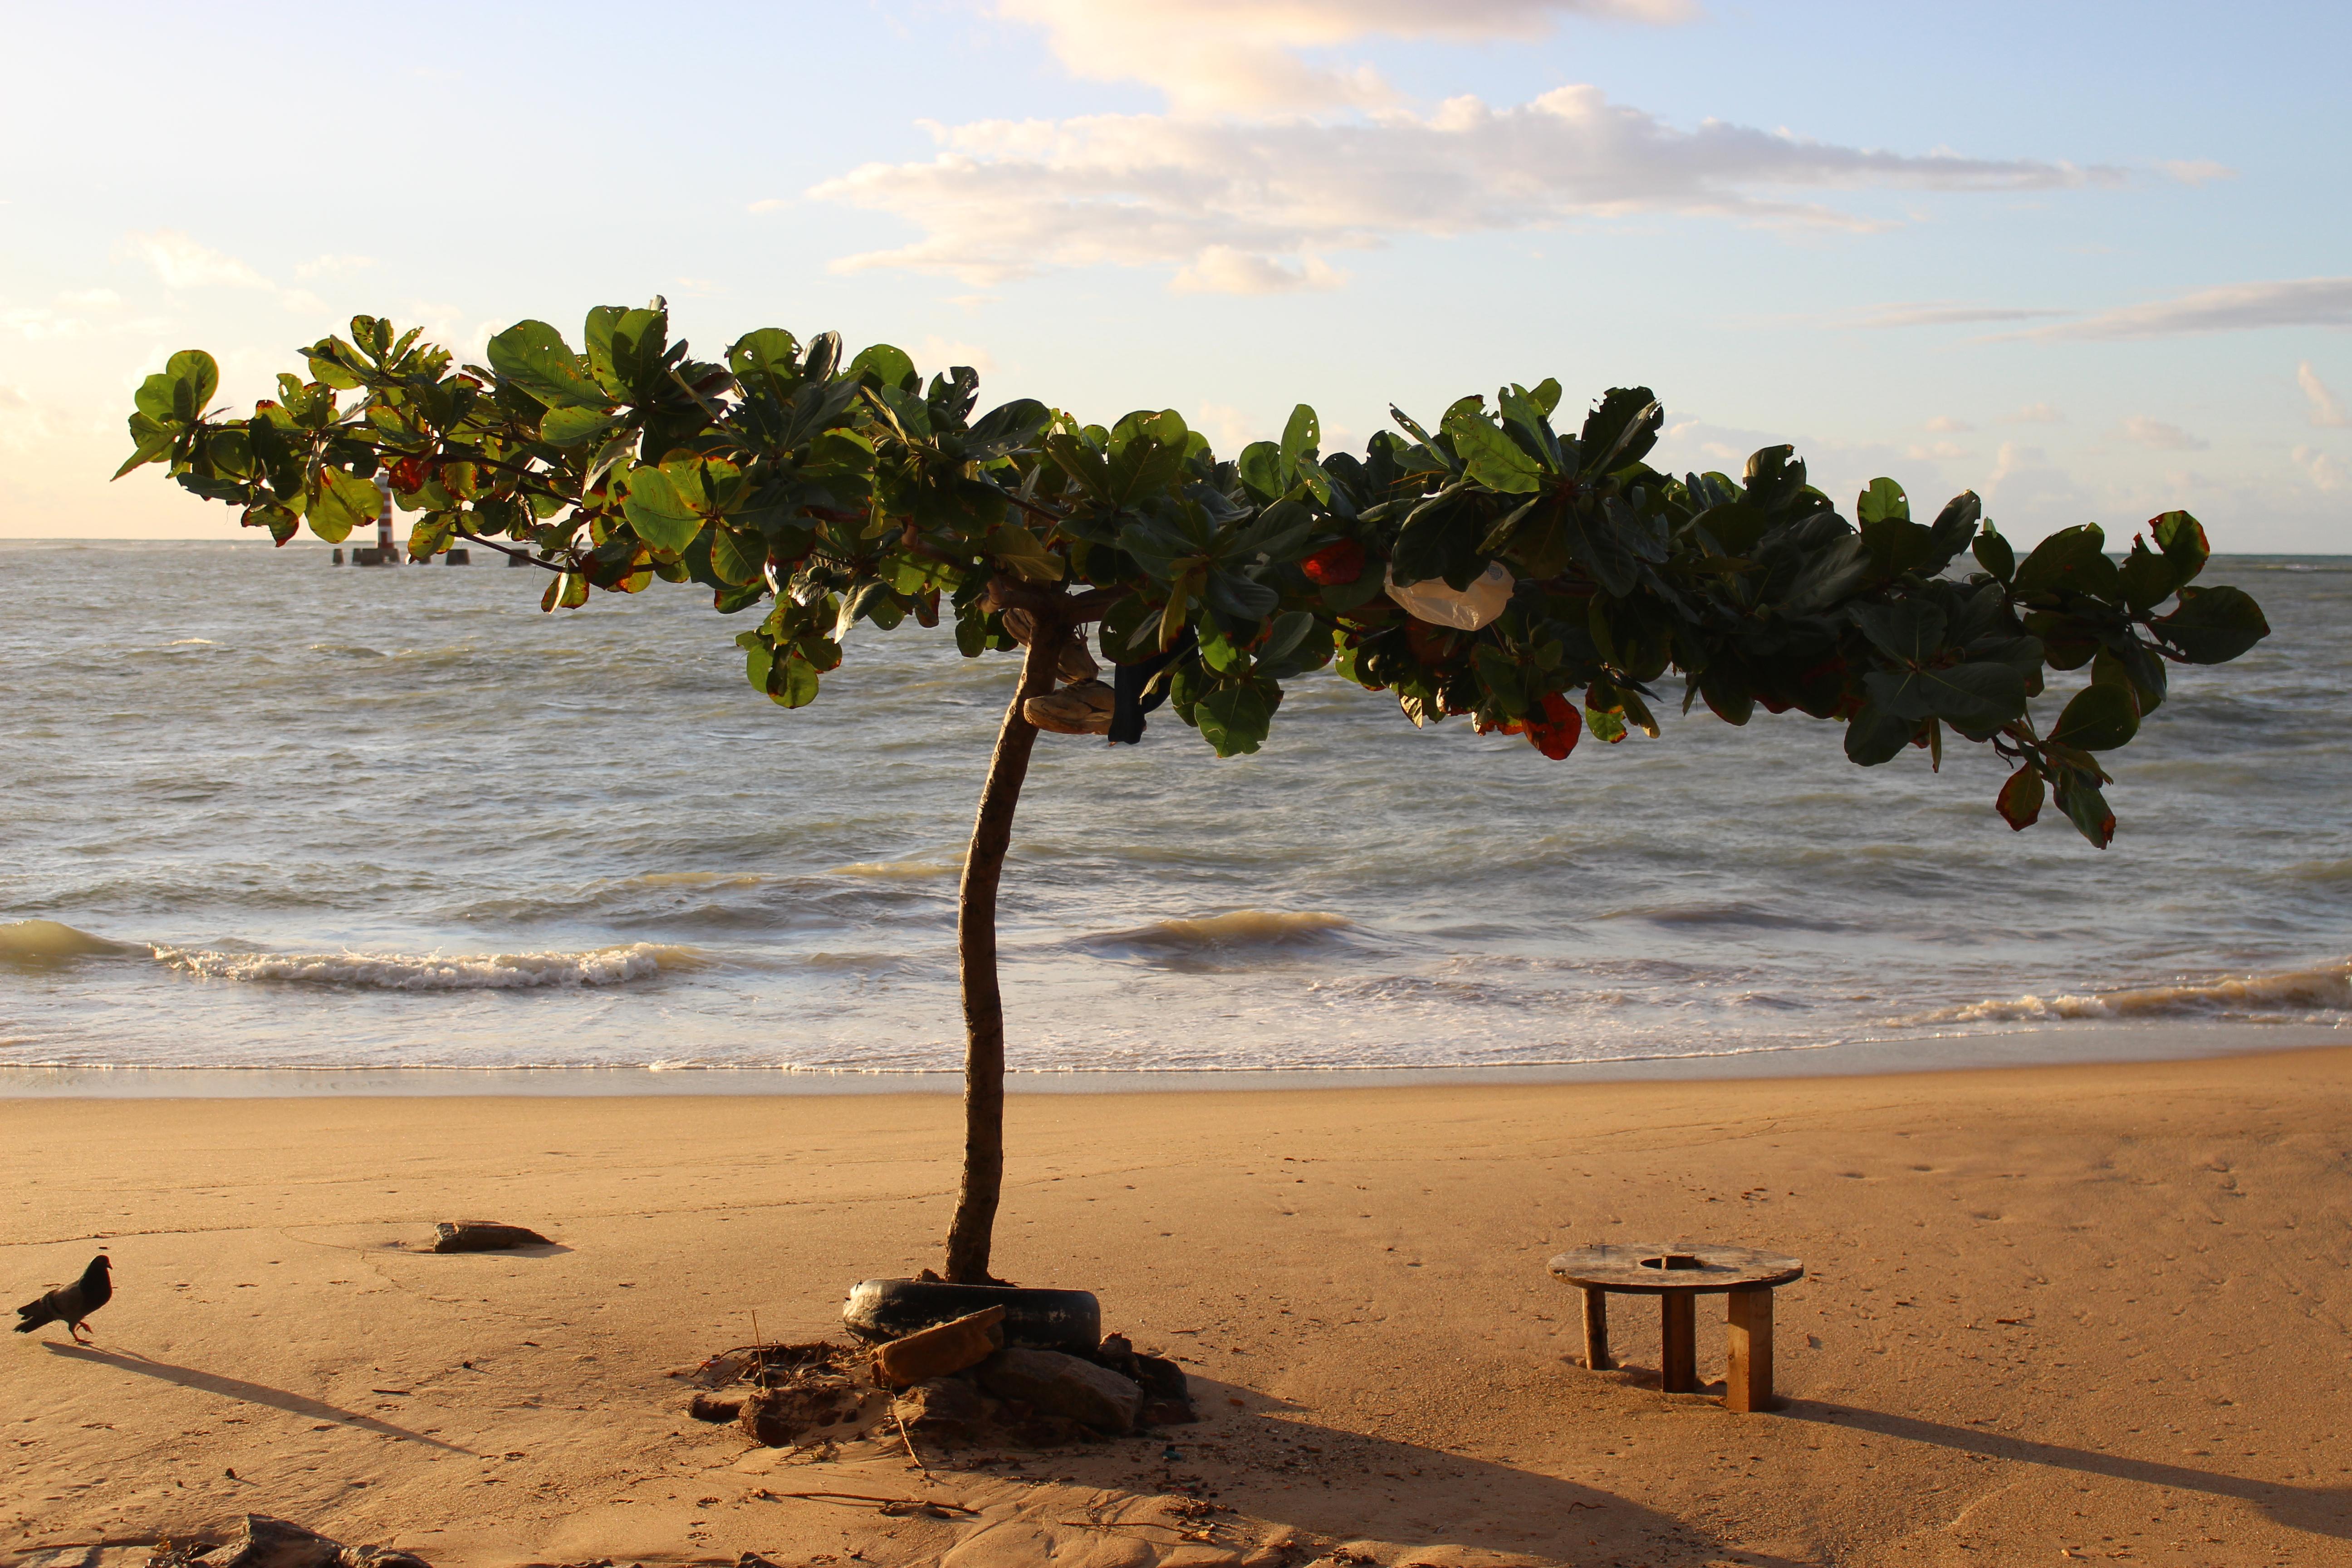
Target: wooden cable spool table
(1677, 1276)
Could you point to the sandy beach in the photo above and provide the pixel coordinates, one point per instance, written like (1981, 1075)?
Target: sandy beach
(2079, 1312)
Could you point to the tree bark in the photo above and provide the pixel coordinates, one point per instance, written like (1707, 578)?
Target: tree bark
(972, 1231)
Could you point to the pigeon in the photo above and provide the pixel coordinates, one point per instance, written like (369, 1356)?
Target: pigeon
(73, 1304)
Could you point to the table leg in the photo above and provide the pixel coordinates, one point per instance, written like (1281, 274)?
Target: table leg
(1596, 1329)
(1747, 1380)
(1678, 1331)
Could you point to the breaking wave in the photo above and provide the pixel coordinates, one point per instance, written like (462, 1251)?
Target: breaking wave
(901, 870)
(51, 941)
(1240, 928)
(437, 971)
(2326, 989)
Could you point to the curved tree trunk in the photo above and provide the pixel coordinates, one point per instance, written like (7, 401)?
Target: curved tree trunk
(975, 1227)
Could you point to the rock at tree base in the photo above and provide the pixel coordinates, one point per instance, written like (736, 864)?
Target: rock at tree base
(784, 1417)
(945, 1407)
(1167, 1397)
(1058, 1384)
(262, 1542)
(483, 1236)
(941, 1352)
(721, 1406)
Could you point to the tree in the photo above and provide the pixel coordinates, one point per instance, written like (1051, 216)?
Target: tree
(1541, 584)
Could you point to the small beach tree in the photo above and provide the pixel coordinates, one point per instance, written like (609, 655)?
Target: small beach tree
(1529, 572)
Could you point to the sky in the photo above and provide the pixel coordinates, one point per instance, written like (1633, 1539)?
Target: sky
(2092, 261)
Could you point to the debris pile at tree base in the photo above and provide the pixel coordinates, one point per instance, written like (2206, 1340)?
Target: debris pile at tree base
(953, 1384)
(262, 1542)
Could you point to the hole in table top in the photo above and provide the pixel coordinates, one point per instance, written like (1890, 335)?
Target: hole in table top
(1673, 1260)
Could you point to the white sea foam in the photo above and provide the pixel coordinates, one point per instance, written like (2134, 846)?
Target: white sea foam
(2320, 990)
(437, 971)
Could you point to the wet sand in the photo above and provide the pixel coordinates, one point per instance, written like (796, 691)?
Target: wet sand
(2096, 1311)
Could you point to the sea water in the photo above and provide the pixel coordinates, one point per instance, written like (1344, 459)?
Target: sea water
(258, 811)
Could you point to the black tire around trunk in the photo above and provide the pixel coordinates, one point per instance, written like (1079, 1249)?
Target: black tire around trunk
(880, 1309)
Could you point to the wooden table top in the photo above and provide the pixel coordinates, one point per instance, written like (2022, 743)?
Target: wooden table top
(1660, 1268)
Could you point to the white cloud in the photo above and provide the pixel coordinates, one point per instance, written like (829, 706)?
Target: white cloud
(768, 204)
(1940, 313)
(1945, 425)
(2197, 171)
(935, 355)
(2326, 412)
(2036, 413)
(92, 300)
(2024, 479)
(1939, 451)
(1212, 57)
(1222, 270)
(2234, 308)
(2160, 436)
(1227, 427)
(333, 265)
(1004, 198)
(181, 263)
(2321, 467)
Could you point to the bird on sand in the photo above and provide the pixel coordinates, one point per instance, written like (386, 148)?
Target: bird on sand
(72, 1304)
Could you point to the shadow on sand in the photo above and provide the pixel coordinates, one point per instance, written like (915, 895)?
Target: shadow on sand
(2321, 1510)
(1264, 1461)
(250, 1393)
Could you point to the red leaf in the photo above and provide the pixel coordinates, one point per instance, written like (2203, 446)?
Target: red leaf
(1335, 565)
(1556, 733)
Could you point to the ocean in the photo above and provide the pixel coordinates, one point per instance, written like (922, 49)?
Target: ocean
(265, 813)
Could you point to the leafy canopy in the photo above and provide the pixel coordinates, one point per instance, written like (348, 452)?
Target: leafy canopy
(825, 492)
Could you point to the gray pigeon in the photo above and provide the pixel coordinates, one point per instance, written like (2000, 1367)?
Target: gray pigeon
(73, 1304)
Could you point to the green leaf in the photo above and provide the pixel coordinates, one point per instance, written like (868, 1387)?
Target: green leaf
(574, 427)
(1020, 550)
(1911, 631)
(2212, 626)
(345, 501)
(1884, 499)
(758, 658)
(533, 356)
(1260, 467)
(1545, 395)
(2087, 809)
(1235, 719)
(2020, 800)
(1622, 429)
(1302, 435)
(657, 511)
(2182, 538)
(179, 392)
(1495, 459)
(889, 366)
(153, 444)
(2072, 560)
(791, 681)
(739, 555)
(1994, 555)
(2099, 719)
(1874, 736)
(1005, 429)
(2146, 577)
(1976, 699)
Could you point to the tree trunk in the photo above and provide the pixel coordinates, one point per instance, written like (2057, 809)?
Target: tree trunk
(975, 1227)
